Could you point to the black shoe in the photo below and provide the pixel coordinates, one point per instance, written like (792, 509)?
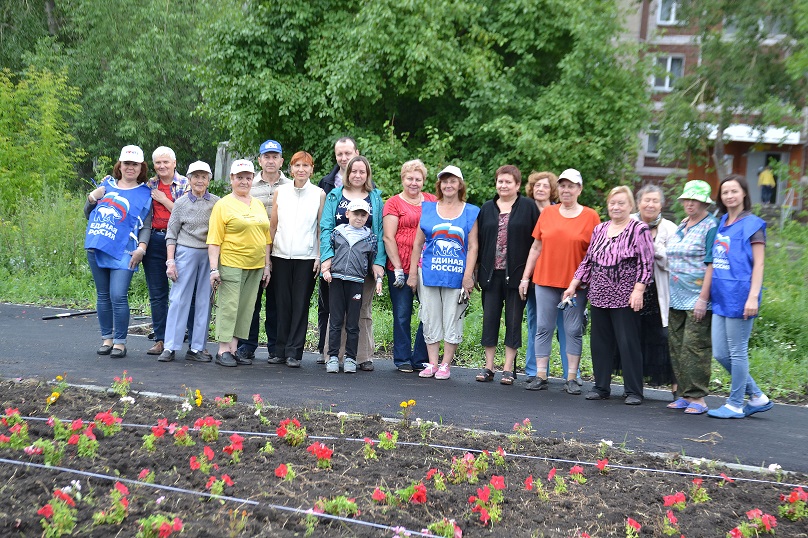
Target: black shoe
(538, 384)
(104, 349)
(633, 399)
(529, 379)
(276, 360)
(117, 353)
(321, 359)
(244, 358)
(571, 387)
(292, 362)
(198, 356)
(595, 395)
(366, 366)
(166, 356)
(226, 359)
(405, 368)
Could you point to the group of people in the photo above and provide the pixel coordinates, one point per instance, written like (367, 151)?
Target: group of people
(663, 299)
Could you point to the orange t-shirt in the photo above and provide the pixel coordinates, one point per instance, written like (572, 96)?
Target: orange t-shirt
(563, 245)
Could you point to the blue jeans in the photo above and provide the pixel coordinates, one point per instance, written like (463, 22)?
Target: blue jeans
(530, 353)
(403, 351)
(154, 267)
(731, 349)
(112, 299)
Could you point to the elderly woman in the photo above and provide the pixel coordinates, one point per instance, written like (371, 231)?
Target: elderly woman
(118, 233)
(656, 302)
(504, 226)
(402, 213)
(618, 266)
(444, 256)
(166, 188)
(560, 240)
(188, 267)
(357, 186)
(238, 250)
(295, 229)
(690, 258)
(738, 253)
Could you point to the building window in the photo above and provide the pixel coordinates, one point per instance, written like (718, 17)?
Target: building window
(652, 141)
(669, 68)
(667, 12)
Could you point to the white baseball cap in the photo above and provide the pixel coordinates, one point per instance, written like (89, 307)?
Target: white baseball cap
(571, 174)
(131, 154)
(242, 165)
(453, 170)
(199, 166)
(358, 205)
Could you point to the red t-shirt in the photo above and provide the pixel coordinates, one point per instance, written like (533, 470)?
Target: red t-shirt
(563, 245)
(408, 218)
(161, 214)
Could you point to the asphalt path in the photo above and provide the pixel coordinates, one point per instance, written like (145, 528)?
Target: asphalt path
(31, 347)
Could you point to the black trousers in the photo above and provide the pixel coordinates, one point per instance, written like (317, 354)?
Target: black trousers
(270, 322)
(322, 315)
(345, 305)
(294, 284)
(496, 293)
(614, 341)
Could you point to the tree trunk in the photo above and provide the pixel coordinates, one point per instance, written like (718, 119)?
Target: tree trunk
(50, 11)
(718, 151)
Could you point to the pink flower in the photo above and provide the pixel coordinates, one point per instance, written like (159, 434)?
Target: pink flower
(484, 517)
(484, 493)
(551, 474)
(32, 450)
(754, 514)
(208, 453)
(122, 488)
(769, 521)
(143, 474)
(736, 533)
(177, 526)
(194, 463)
(671, 518)
(633, 524)
(698, 481)
(577, 469)
(498, 482)
(602, 464)
(50, 422)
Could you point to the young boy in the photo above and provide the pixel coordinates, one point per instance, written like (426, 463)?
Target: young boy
(354, 251)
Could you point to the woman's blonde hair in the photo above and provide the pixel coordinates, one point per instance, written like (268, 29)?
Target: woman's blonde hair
(624, 190)
(415, 165)
(534, 177)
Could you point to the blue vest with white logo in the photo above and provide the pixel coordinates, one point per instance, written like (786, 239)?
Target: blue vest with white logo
(732, 265)
(114, 223)
(443, 261)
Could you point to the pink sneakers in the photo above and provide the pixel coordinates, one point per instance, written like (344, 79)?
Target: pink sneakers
(429, 371)
(443, 372)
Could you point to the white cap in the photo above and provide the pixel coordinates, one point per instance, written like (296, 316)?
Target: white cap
(199, 166)
(242, 165)
(571, 174)
(131, 154)
(453, 170)
(357, 205)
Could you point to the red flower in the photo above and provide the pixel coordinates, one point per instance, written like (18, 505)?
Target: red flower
(754, 514)
(602, 464)
(46, 511)
(498, 482)
(89, 433)
(281, 471)
(430, 473)
(208, 452)
(484, 493)
(281, 431)
(633, 524)
(726, 478)
(16, 428)
(736, 533)
(50, 422)
(769, 521)
(500, 451)
(472, 499)
(378, 495)
(419, 495)
(61, 495)
(676, 498)
(551, 474)
(125, 502)
(227, 480)
(76, 424)
(6, 439)
(194, 463)
(74, 439)
(237, 441)
(671, 518)
(122, 488)
(165, 531)
(177, 526)
(529, 483)
(211, 481)
(484, 517)
(143, 474)
(369, 441)
(229, 449)
(698, 481)
(577, 469)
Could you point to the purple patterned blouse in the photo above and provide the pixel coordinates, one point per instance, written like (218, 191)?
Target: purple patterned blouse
(613, 265)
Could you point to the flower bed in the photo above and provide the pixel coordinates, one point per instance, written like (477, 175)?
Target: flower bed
(200, 468)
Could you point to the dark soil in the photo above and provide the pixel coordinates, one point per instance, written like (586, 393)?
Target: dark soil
(599, 507)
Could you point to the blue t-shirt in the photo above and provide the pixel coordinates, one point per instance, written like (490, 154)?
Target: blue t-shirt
(732, 264)
(443, 261)
(342, 208)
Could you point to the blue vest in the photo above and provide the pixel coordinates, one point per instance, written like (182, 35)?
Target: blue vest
(114, 223)
(732, 265)
(443, 261)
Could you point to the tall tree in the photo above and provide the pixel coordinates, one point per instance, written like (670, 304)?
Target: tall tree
(741, 77)
(541, 83)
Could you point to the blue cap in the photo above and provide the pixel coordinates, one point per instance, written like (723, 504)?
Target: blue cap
(272, 146)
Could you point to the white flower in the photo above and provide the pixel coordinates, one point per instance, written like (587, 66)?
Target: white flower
(342, 414)
(774, 467)
(128, 400)
(67, 489)
(607, 443)
(186, 406)
(76, 484)
(257, 413)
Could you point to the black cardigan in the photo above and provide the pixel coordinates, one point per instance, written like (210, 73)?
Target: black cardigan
(521, 223)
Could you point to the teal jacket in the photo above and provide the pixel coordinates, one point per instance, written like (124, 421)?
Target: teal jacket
(328, 222)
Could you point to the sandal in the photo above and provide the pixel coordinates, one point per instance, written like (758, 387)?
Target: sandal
(681, 403)
(696, 409)
(507, 378)
(485, 376)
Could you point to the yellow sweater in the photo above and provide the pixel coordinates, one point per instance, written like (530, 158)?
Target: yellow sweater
(242, 232)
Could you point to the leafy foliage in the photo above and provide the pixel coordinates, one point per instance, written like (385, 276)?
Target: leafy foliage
(474, 82)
